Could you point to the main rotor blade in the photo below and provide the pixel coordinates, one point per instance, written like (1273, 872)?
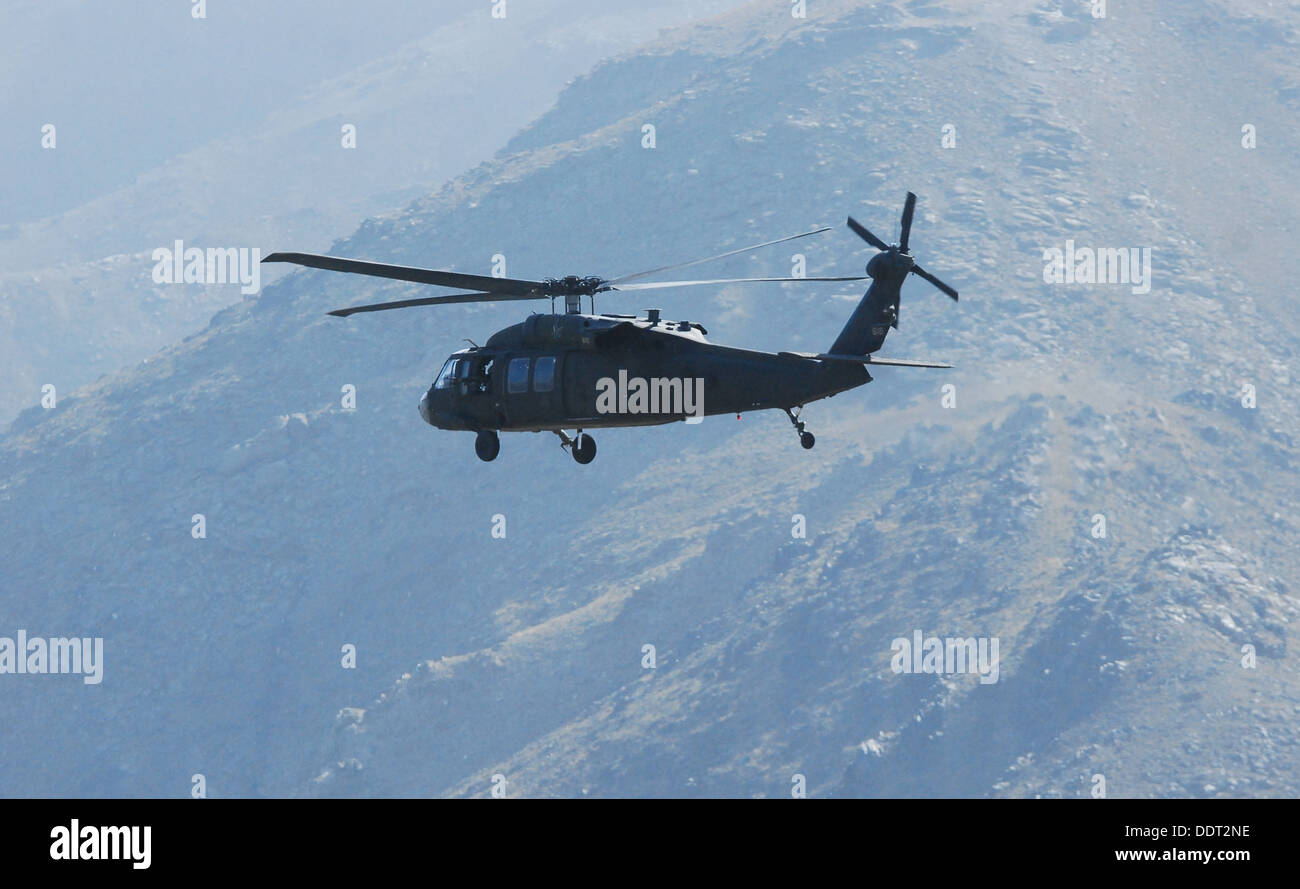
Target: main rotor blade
(861, 231)
(908, 209)
(435, 301)
(682, 265)
(917, 270)
(408, 273)
(652, 285)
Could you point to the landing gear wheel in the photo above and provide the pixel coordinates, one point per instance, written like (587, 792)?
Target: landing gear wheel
(584, 448)
(807, 439)
(487, 445)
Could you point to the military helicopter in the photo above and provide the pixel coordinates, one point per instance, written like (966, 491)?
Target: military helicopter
(553, 372)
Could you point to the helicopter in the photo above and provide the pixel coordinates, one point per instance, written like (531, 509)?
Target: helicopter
(554, 372)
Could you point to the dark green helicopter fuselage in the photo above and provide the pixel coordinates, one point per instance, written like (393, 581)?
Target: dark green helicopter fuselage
(554, 372)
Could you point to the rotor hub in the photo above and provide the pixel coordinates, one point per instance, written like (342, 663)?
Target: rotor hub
(893, 263)
(573, 285)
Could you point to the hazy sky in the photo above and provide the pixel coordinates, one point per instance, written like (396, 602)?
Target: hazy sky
(129, 84)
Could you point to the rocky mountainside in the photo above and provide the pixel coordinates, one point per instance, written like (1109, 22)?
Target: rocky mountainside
(520, 663)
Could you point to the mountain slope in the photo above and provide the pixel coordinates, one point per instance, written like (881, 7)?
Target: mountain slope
(522, 656)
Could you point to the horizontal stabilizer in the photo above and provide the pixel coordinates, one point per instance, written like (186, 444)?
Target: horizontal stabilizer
(903, 362)
(863, 359)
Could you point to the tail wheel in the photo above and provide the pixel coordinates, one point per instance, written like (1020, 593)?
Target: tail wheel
(584, 449)
(487, 445)
(807, 439)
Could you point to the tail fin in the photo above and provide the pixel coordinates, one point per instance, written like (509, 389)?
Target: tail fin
(869, 324)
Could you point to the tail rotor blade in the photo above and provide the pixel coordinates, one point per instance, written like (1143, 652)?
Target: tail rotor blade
(908, 209)
(861, 231)
(917, 270)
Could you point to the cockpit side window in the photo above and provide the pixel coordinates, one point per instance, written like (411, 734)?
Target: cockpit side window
(448, 374)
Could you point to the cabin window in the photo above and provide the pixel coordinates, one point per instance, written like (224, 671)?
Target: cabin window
(484, 383)
(448, 374)
(544, 374)
(517, 377)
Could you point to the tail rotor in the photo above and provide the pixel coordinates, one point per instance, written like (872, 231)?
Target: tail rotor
(896, 256)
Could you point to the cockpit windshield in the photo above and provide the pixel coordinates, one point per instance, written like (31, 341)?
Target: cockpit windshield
(448, 374)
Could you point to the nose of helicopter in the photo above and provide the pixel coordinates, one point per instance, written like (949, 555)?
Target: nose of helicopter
(424, 409)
